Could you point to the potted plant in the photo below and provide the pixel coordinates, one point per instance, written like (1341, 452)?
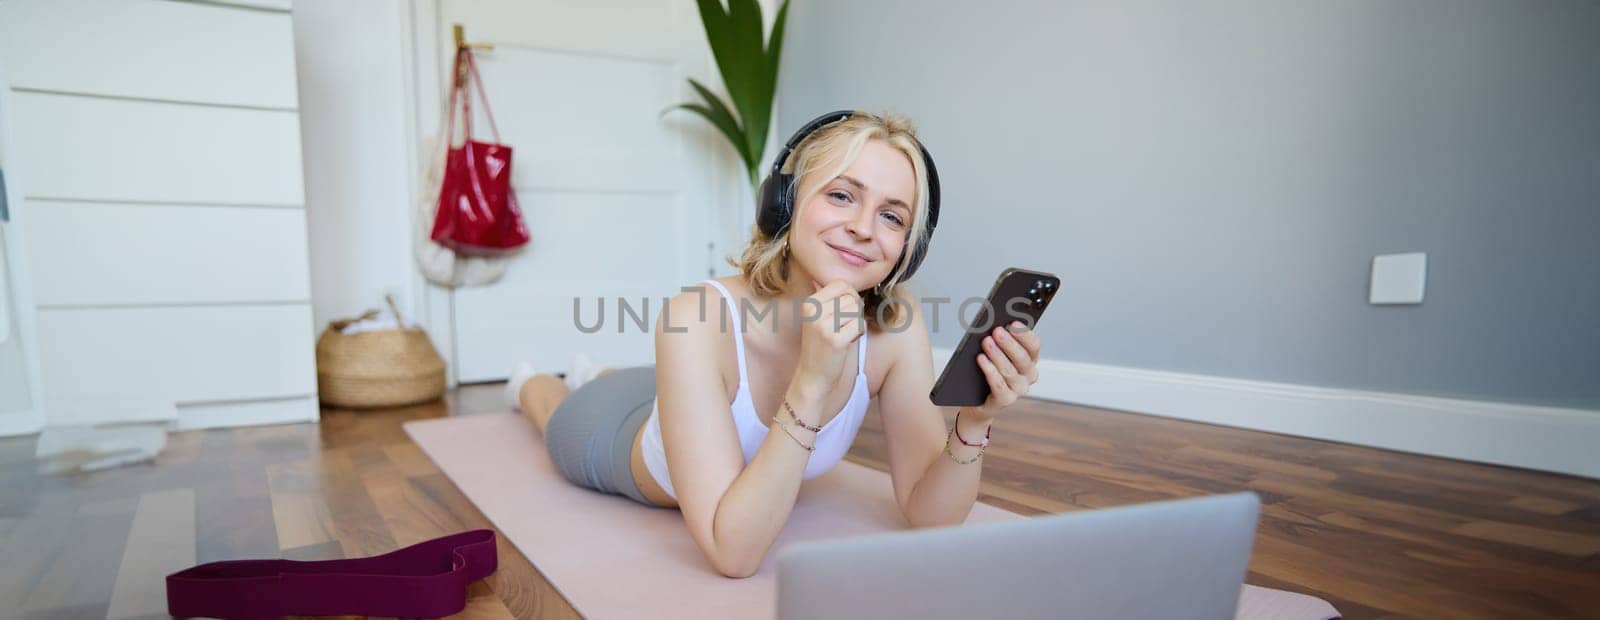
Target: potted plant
(750, 72)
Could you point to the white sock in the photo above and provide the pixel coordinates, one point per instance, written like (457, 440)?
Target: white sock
(583, 371)
(519, 376)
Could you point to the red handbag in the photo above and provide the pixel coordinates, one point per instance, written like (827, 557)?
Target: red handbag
(477, 209)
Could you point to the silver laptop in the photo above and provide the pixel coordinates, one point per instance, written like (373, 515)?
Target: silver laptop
(1173, 559)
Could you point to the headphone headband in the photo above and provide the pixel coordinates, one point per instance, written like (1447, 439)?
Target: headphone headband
(804, 131)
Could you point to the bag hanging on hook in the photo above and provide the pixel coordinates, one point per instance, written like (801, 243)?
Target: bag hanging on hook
(477, 213)
(439, 264)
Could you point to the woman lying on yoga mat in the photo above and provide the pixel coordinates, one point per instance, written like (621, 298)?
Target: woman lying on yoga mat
(789, 349)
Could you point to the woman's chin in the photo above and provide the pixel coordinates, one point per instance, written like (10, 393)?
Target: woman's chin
(850, 276)
(855, 276)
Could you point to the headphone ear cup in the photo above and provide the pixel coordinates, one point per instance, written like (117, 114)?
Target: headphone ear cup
(911, 262)
(916, 261)
(773, 204)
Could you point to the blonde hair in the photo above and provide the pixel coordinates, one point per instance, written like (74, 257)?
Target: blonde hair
(821, 157)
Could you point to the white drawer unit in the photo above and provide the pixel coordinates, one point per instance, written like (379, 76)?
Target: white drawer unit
(168, 51)
(151, 254)
(92, 148)
(153, 149)
(186, 354)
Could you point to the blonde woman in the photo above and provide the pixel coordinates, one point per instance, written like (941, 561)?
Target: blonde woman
(767, 387)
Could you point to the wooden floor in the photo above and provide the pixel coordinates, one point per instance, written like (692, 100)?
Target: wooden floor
(1377, 533)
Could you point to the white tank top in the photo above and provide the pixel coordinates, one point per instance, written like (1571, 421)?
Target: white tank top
(832, 442)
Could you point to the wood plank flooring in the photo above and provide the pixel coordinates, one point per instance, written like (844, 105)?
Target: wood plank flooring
(1379, 534)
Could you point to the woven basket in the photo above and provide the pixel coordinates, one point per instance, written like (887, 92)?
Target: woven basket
(381, 368)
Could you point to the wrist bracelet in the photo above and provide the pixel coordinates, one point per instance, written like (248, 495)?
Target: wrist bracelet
(786, 431)
(959, 461)
(797, 422)
(986, 431)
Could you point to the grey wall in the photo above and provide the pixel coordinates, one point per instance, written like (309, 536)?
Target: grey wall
(1212, 179)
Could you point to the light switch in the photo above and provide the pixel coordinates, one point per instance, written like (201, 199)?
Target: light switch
(1399, 278)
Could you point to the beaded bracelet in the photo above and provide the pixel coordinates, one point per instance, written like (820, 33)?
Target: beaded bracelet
(797, 422)
(959, 461)
(783, 427)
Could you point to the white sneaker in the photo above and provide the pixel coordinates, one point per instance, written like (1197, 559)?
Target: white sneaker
(583, 370)
(519, 375)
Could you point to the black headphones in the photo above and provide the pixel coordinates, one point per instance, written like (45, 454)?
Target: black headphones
(775, 199)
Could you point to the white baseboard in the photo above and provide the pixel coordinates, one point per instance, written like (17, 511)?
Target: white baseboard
(105, 410)
(248, 413)
(181, 417)
(1544, 438)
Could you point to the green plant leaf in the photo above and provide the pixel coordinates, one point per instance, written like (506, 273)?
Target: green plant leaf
(749, 71)
(768, 86)
(724, 43)
(717, 120)
(735, 39)
(751, 158)
(749, 67)
(775, 47)
(718, 114)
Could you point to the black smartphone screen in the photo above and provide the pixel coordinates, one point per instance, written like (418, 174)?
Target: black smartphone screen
(1017, 295)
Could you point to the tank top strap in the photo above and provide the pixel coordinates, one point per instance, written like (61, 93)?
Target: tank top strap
(738, 334)
(861, 355)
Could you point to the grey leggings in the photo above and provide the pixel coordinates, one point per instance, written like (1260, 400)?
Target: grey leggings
(590, 434)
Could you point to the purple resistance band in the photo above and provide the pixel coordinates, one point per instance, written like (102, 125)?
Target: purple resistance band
(428, 579)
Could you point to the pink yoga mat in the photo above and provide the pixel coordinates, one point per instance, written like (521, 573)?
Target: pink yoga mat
(612, 557)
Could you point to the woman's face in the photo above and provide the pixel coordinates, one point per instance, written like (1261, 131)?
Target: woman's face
(854, 227)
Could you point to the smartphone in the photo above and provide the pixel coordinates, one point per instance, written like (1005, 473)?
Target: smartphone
(1017, 295)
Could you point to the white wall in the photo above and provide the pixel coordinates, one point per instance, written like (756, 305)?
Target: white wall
(1212, 179)
(358, 177)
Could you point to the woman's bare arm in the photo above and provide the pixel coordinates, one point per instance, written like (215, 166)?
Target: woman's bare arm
(931, 489)
(733, 511)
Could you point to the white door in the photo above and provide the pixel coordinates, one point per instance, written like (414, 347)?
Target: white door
(618, 199)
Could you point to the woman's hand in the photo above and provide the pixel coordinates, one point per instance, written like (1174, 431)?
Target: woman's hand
(1010, 361)
(823, 349)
